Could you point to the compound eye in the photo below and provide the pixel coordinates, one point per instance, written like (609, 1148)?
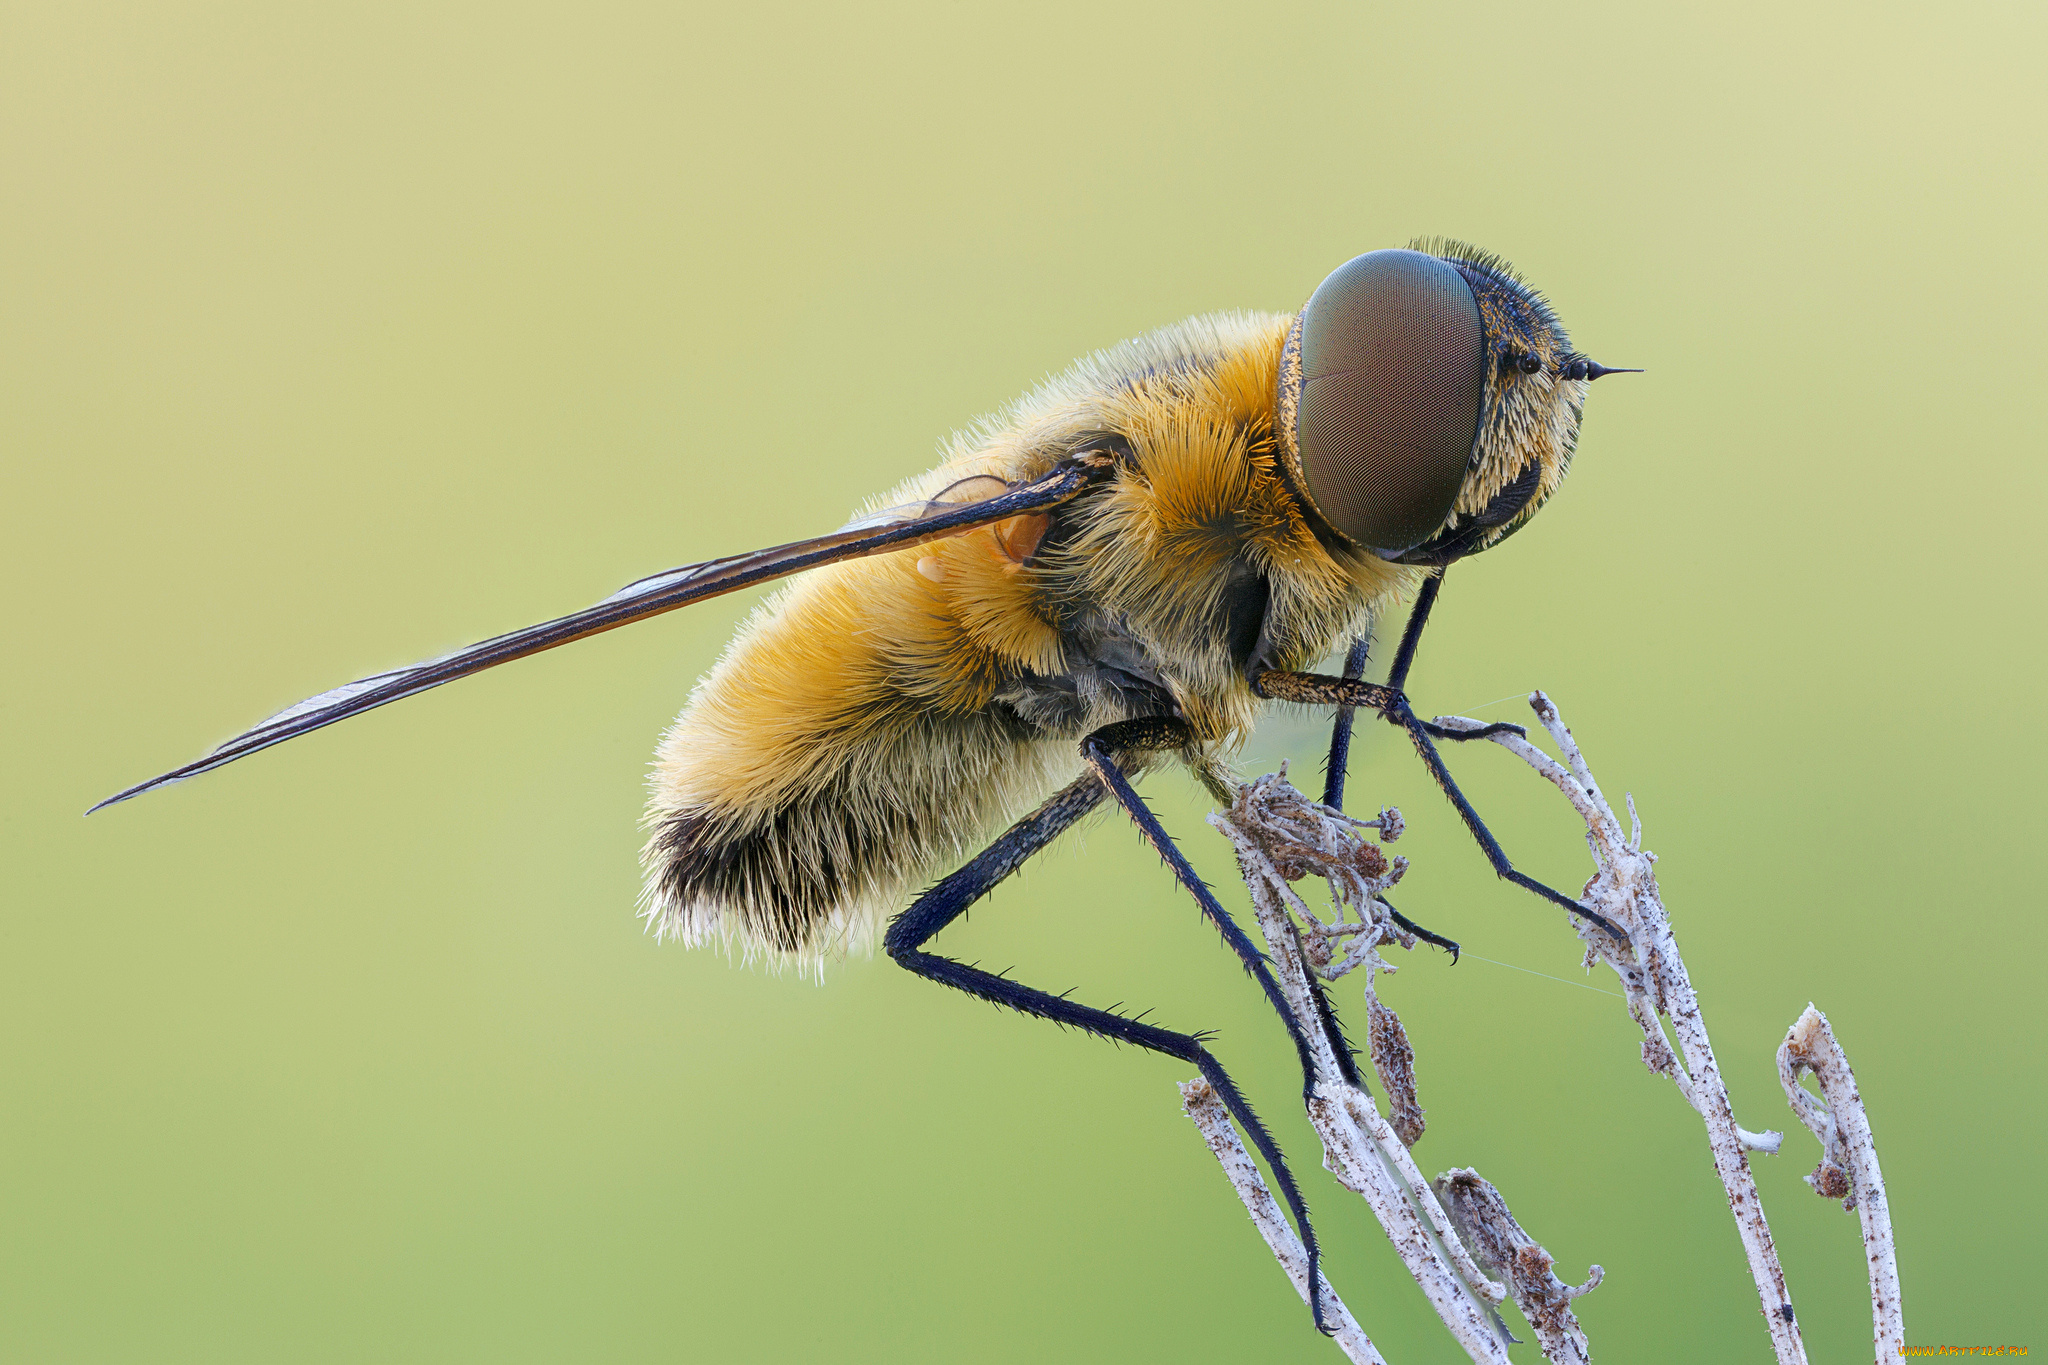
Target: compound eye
(1391, 369)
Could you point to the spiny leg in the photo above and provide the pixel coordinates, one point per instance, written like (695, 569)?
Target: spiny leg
(1404, 659)
(1411, 634)
(1101, 750)
(1339, 763)
(1340, 729)
(1448, 945)
(947, 900)
(1320, 690)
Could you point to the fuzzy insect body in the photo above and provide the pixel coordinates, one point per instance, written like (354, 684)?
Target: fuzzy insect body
(1135, 557)
(876, 718)
(1140, 537)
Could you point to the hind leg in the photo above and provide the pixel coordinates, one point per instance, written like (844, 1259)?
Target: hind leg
(951, 897)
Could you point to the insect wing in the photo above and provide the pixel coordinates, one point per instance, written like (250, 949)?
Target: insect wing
(961, 507)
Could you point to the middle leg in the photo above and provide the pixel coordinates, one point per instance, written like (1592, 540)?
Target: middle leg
(1101, 749)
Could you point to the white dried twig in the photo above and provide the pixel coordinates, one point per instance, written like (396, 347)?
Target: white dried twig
(1653, 977)
(1213, 1119)
(1281, 836)
(1848, 1165)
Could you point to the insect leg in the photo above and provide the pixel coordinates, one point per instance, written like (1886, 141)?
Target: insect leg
(1431, 759)
(1448, 945)
(947, 900)
(1340, 729)
(1404, 659)
(1411, 634)
(1101, 749)
(1340, 733)
(1319, 690)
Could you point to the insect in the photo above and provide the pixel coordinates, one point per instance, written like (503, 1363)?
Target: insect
(1116, 572)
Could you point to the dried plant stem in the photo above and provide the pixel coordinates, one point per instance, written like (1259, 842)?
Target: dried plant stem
(1213, 1120)
(1503, 1248)
(1848, 1165)
(1654, 979)
(1453, 1234)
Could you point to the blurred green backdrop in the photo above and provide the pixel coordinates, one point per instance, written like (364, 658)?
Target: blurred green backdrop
(336, 336)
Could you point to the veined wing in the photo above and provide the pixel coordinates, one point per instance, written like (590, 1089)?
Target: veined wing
(961, 507)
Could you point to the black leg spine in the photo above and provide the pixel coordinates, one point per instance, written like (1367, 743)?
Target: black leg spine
(1495, 855)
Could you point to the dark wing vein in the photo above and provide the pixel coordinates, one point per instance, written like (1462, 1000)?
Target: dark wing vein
(647, 597)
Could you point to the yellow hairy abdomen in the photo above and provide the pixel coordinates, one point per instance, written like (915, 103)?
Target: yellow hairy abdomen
(842, 749)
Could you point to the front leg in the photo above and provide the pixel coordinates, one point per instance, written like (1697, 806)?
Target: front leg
(1317, 689)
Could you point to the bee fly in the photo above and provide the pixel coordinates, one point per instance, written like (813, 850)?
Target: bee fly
(1114, 572)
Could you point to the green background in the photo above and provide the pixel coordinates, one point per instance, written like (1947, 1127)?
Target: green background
(336, 336)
